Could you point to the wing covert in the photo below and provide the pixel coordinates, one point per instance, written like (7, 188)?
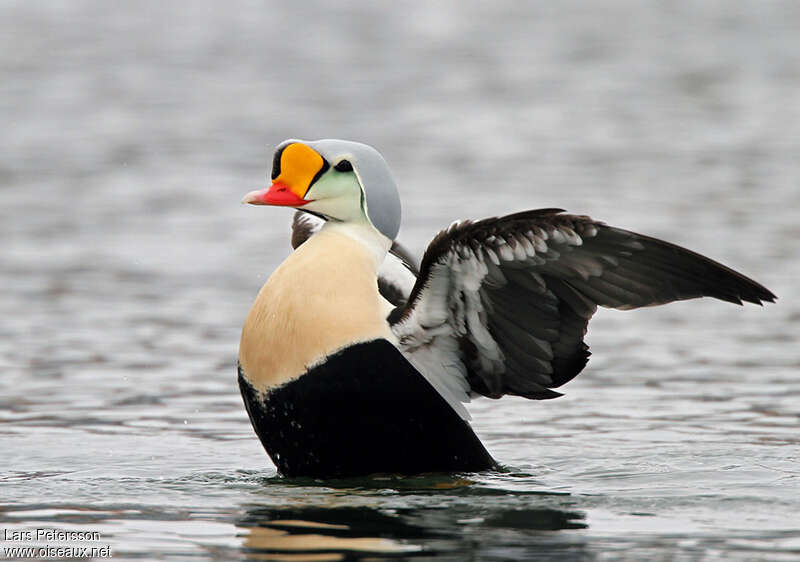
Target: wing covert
(505, 302)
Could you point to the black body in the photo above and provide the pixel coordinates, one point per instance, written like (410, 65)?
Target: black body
(365, 410)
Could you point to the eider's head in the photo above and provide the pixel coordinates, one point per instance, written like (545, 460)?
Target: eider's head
(340, 180)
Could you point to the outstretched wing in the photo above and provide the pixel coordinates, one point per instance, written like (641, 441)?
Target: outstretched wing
(501, 305)
(397, 274)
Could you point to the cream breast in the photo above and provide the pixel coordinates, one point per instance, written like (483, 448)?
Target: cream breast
(322, 298)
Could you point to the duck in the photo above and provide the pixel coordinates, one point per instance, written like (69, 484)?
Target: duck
(355, 361)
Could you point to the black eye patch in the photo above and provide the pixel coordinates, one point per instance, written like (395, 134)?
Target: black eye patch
(276, 162)
(343, 166)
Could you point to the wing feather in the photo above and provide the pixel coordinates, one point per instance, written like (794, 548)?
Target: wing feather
(505, 302)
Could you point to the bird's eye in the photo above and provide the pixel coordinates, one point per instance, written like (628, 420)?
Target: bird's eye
(343, 166)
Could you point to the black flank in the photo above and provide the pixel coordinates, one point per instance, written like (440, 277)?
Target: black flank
(365, 410)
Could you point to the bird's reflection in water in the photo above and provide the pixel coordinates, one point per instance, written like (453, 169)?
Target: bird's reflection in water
(324, 534)
(361, 532)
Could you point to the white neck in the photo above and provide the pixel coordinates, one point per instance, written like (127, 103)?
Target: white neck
(376, 243)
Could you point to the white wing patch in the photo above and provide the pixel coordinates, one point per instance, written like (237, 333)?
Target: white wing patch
(394, 271)
(452, 307)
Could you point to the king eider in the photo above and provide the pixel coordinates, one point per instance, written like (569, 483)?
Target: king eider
(352, 362)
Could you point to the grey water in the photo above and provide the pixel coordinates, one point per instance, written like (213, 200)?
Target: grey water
(130, 131)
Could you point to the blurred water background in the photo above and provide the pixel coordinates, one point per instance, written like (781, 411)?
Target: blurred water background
(130, 130)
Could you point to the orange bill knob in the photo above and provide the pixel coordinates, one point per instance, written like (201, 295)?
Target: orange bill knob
(300, 166)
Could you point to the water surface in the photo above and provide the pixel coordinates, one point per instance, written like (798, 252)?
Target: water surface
(129, 134)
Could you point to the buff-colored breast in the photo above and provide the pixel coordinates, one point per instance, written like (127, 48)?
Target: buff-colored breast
(323, 297)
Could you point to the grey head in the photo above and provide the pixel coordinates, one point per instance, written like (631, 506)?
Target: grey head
(379, 196)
